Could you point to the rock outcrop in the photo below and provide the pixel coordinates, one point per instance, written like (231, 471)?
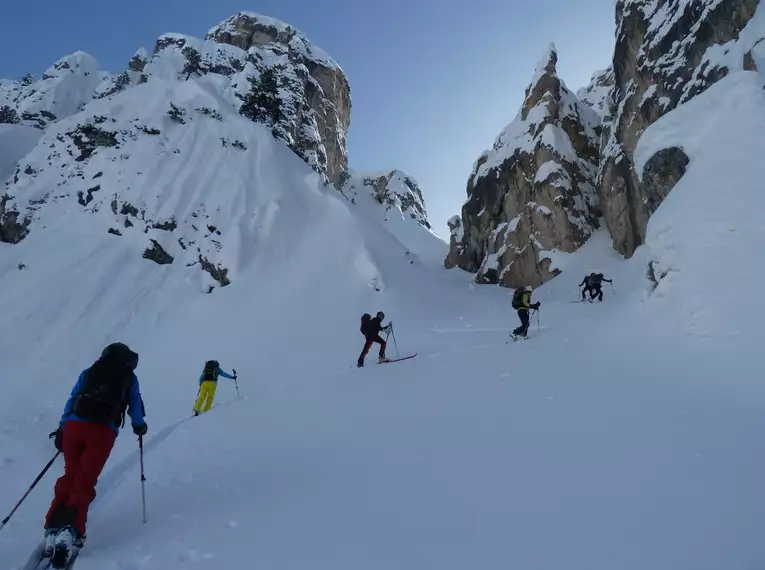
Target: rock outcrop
(394, 190)
(667, 51)
(532, 195)
(321, 106)
(598, 93)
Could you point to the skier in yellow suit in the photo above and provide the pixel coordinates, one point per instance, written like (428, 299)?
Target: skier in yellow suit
(208, 382)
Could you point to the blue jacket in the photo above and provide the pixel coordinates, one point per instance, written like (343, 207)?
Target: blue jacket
(135, 404)
(218, 372)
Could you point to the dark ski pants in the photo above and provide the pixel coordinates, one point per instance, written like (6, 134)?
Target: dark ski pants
(86, 448)
(368, 346)
(523, 314)
(596, 291)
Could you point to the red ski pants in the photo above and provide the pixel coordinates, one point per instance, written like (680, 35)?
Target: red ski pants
(368, 346)
(86, 448)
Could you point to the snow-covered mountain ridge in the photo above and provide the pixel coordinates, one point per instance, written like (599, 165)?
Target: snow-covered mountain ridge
(155, 155)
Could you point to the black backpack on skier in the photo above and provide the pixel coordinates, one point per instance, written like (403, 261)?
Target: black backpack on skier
(365, 318)
(105, 392)
(518, 297)
(210, 373)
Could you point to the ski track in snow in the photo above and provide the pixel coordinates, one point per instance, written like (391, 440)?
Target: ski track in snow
(623, 434)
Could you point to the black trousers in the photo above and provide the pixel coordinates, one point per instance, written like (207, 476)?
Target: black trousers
(523, 314)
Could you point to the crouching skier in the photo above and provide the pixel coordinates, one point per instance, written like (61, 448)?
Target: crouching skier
(371, 329)
(89, 426)
(208, 382)
(522, 303)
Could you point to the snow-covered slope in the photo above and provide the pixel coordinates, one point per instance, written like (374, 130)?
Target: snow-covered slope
(63, 90)
(710, 227)
(395, 200)
(624, 434)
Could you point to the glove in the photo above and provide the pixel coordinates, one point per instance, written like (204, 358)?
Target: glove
(141, 430)
(536, 305)
(58, 439)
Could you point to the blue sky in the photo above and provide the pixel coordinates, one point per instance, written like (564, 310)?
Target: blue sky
(432, 82)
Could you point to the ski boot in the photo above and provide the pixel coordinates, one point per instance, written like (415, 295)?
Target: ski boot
(64, 547)
(50, 542)
(382, 360)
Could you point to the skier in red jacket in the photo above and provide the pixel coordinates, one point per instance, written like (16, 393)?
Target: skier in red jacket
(86, 434)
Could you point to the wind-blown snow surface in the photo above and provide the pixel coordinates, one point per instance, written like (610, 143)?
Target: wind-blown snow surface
(607, 440)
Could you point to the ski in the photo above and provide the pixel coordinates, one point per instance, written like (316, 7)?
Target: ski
(36, 560)
(515, 338)
(397, 359)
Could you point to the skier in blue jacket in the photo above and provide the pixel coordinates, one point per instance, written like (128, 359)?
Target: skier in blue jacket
(208, 382)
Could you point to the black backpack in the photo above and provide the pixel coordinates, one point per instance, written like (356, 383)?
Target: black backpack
(365, 318)
(105, 393)
(518, 297)
(210, 373)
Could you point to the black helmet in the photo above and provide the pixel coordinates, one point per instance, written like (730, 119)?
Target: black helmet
(380, 315)
(119, 352)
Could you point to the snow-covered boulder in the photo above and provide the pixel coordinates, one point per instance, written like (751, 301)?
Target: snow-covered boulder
(320, 107)
(667, 52)
(532, 194)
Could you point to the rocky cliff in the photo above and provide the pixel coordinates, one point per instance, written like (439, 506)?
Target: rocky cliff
(532, 195)
(667, 51)
(276, 76)
(320, 105)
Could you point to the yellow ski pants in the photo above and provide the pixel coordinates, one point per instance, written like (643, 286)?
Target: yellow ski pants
(206, 396)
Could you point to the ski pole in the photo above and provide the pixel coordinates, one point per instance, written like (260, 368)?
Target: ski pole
(395, 345)
(32, 486)
(537, 312)
(612, 289)
(143, 478)
(236, 384)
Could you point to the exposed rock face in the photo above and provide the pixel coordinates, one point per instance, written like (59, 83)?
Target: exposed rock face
(139, 60)
(456, 242)
(533, 194)
(394, 190)
(323, 99)
(598, 93)
(662, 171)
(667, 51)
